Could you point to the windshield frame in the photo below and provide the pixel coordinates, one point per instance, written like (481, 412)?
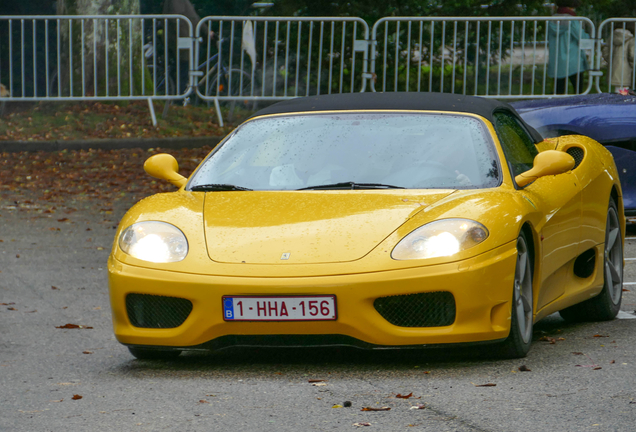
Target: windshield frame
(491, 142)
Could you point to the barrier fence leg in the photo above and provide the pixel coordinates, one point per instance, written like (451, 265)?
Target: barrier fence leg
(152, 112)
(217, 107)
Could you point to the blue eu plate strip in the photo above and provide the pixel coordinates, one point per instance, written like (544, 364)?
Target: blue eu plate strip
(228, 308)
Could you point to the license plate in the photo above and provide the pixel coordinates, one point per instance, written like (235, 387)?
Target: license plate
(296, 308)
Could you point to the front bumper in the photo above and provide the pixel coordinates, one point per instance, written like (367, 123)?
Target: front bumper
(481, 286)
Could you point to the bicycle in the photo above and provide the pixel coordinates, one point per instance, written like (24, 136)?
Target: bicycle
(216, 78)
(221, 80)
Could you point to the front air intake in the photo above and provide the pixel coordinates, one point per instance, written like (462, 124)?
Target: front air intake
(432, 309)
(151, 311)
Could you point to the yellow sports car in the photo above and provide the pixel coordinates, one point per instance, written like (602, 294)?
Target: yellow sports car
(373, 220)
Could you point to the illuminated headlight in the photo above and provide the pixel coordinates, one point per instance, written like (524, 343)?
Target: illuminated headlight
(440, 238)
(153, 241)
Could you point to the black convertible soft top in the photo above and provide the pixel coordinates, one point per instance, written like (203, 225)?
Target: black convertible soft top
(397, 101)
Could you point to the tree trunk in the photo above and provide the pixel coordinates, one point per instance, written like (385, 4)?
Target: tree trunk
(96, 55)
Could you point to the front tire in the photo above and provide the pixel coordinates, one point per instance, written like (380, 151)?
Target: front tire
(519, 340)
(605, 306)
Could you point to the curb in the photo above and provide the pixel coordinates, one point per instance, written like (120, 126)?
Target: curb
(108, 144)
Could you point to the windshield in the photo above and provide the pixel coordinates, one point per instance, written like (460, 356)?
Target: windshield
(353, 151)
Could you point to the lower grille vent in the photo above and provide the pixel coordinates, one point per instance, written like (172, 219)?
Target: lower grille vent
(433, 309)
(151, 311)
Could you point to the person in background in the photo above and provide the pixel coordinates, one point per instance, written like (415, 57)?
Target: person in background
(619, 53)
(566, 60)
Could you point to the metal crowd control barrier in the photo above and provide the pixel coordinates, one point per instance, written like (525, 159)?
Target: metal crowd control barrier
(484, 56)
(99, 57)
(616, 54)
(250, 59)
(276, 58)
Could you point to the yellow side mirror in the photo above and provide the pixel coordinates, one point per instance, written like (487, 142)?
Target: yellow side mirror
(549, 162)
(165, 167)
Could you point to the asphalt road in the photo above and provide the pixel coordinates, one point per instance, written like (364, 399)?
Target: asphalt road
(52, 379)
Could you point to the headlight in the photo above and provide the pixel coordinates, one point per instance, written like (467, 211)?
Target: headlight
(440, 238)
(153, 241)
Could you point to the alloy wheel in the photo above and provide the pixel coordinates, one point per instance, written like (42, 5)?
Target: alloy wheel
(613, 257)
(523, 291)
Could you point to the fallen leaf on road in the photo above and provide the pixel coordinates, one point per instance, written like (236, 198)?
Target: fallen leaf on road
(577, 353)
(54, 288)
(76, 397)
(547, 339)
(362, 424)
(87, 352)
(73, 326)
(375, 409)
(319, 384)
(524, 368)
(597, 368)
(11, 308)
(316, 380)
(203, 401)
(613, 361)
(599, 335)
(62, 220)
(418, 406)
(337, 406)
(484, 385)
(404, 396)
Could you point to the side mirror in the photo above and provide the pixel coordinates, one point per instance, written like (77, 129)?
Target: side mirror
(165, 167)
(549, 162)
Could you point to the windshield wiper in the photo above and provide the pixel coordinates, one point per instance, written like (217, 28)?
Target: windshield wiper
(218, 188)
(353, 185)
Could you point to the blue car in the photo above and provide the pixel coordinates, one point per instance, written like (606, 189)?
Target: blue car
(609, 118)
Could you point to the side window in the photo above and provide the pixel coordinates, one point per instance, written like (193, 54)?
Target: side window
(517, 145)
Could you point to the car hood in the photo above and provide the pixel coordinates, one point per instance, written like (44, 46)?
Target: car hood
(306, 227)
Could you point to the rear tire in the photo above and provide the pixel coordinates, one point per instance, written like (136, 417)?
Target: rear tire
(519, 340)
(605, 306)
(153, 354)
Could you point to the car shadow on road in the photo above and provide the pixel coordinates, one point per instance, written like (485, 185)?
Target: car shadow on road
(247, 361)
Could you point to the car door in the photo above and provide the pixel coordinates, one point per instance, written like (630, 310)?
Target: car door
(557, 198)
